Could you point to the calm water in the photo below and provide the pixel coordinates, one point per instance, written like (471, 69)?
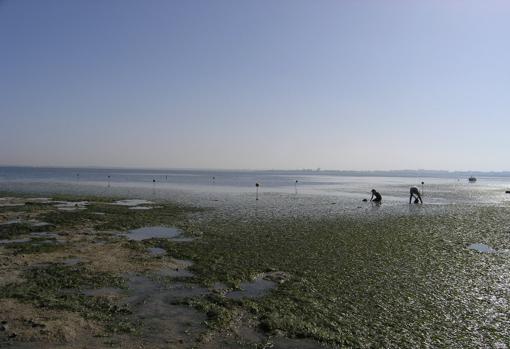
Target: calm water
(314, 192)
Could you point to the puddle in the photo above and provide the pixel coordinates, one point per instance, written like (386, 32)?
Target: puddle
(179, 272)
(72, 261)
(481, 248)
(175, 273)
(71, 205)
(13, 241)
(257, 288)
(11, 202)
(153, 232)
(180, 290)
(141, 287)
(10, 205)
(185, 263)
(132, 202)
(32, 222)
(40, 200)
(163, 321)
(156, 251)
(140, 208)
(41, 224)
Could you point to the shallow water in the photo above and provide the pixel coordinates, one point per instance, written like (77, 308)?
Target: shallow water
(317, 193)
(71, 205)
(140, 208)
(31, 222)
(40, 224)
(481, 248)
(156, 251)
(163, 320)
(40, 200)
(186, 263)
(72, 261)
(140, 287)
(256, 288)
(132, 202)
(153, 232)
(175, 273)
(179, 272)
(10, 205)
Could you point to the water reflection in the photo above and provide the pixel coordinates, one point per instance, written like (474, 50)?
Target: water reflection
(482, 248)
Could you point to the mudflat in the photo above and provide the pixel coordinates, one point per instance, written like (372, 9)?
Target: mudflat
(73, 276)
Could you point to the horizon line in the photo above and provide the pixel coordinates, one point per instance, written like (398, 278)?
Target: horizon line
(318, 169)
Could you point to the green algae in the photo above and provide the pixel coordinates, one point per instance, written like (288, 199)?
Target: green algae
(104, 216)
(57, 286)
(36, 245)
(9, 231)
(397, 281)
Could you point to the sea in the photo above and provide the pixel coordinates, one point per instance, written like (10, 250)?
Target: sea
(278, 192)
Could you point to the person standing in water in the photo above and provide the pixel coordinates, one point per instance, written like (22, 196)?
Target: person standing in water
(376, 197)
(414, 192)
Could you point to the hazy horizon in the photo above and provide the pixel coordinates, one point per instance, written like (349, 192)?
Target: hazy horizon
(255, 85)
(427, 172)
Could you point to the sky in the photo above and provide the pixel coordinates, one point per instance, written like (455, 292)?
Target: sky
(266, 84)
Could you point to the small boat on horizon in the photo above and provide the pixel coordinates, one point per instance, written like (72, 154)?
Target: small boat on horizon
(472, 179)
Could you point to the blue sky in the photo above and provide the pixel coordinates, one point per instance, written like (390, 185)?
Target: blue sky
(256, 84)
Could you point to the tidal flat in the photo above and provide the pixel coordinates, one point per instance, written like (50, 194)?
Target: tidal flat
(251, 281)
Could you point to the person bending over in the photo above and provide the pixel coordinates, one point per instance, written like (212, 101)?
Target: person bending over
(415, 193)
(376, 197)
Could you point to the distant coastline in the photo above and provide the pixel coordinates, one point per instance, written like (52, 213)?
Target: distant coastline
(361, 173)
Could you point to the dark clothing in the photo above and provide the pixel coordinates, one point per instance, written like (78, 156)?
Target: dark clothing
(376, 197)
(414, 190)
(415, 193)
